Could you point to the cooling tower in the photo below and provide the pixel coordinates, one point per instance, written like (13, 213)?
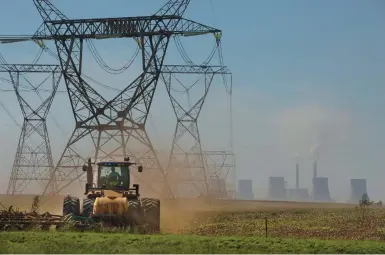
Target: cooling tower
(277, 189)
(321, 189)
(245, 190)
(217, 188)
(358, 188)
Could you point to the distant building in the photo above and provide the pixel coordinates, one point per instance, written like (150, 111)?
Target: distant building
(301, 194)
(277, 189)
(321, 192)
(357, 189)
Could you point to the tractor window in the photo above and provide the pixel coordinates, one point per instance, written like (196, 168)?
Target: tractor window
(113, 176)
(125, 176)
(109, 175)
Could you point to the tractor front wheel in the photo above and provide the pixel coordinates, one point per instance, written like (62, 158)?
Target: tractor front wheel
(151, 213)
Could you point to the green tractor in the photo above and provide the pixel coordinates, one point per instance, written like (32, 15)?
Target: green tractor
(111, 200)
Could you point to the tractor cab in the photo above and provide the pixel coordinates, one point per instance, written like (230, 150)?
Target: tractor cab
(110, 175)
(113, 175)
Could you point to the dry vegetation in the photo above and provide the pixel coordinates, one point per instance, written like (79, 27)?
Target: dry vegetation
(321, 221)
(323, 224)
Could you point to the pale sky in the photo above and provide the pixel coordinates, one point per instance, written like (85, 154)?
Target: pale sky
(304, 73)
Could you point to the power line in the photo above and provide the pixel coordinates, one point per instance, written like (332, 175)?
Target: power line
(212, 11)
(9, 114)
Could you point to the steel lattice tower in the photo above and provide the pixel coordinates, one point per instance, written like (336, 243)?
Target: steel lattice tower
(187, 162)
(221, 166)
(123, 118)
(33, 160)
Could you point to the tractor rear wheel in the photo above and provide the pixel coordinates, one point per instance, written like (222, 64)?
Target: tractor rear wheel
(88, 207)
(71, 205)
(151, 213)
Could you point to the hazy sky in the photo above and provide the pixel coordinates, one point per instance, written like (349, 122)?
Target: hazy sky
(304, 73)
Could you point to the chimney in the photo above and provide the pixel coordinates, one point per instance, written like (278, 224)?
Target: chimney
(297, 176)
(315, 169)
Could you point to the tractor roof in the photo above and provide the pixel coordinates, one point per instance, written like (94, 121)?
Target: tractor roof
(113, 163)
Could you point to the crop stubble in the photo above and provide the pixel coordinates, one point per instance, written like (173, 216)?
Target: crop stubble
(284, 219)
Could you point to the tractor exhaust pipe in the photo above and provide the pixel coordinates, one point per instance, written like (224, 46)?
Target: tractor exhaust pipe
(90, 175)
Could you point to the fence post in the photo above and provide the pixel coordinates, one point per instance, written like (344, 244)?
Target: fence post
(266, 226)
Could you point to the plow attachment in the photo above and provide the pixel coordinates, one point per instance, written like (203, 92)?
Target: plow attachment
(13, 219)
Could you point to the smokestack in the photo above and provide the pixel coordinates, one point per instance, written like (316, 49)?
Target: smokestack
(315, 152)
(297, 175)
(315, 169)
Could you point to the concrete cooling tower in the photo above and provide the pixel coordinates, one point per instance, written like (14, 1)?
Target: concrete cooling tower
(321, 191)
(277, 189)
(358, 188)
(245, 190)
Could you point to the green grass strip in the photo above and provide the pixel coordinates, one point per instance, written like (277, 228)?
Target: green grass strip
(76, 242)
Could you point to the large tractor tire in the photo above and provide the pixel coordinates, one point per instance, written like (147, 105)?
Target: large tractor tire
(151, 213)
(134, 216)
(71, 205)
(88, 207)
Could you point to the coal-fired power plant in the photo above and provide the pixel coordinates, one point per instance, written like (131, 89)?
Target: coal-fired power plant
(245, 190)
(358, 188)
(277, 190)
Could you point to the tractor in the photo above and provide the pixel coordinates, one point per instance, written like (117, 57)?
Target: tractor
(111, 200)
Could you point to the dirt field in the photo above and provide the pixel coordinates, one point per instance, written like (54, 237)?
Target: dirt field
(180, 215)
